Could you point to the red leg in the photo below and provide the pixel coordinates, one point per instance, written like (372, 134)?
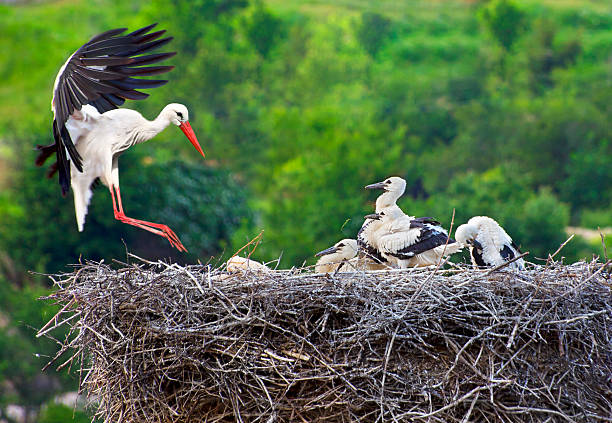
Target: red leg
(156, 228)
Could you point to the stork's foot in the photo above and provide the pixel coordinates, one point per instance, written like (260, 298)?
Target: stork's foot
(156, 228)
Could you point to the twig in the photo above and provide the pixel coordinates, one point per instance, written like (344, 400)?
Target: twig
(550, 257)
(501, 266)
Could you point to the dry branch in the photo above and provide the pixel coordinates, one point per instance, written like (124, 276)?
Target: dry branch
(165, 343)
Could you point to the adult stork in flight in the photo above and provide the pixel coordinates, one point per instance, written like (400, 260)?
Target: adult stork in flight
(91, 132)
(409, 241)
(489, 243)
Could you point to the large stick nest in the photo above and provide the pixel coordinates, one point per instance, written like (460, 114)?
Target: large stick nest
(165, 343)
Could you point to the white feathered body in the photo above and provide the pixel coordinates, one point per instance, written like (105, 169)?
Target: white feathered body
(407, 241)
(99, 140)
(493, 245)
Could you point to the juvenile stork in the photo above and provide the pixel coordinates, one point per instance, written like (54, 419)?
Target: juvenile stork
(91, 133)
(409, 241)
(489, 244)
(367, 236)
(334, 257)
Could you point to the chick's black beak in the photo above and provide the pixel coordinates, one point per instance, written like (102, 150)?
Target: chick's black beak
(327, 251)
(374, 216)
(378, 185)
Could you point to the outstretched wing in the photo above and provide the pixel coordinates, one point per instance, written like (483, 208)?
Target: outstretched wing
(104, 73)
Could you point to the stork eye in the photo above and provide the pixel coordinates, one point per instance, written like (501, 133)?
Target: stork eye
(388, 181)
(340, 245)
(180, 115)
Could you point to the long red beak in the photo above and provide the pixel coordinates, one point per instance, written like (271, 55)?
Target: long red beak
(186, 128)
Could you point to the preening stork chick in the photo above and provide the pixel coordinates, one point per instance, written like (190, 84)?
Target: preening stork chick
(489, 244)
(409, 241)
(334, 257)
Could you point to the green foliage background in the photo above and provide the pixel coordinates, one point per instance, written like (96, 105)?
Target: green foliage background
(492, 107)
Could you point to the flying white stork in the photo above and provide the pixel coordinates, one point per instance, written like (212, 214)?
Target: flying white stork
(409, 241)
(489, 244)
(90, 132)
(367, 237)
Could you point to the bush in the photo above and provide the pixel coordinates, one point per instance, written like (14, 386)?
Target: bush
(372, 31)
(505, 20)
(58, 413)
(263, 29)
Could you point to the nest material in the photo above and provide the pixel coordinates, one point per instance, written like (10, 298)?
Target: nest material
(161, 343)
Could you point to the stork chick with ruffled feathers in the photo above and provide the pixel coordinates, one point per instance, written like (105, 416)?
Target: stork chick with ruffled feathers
(489, 243)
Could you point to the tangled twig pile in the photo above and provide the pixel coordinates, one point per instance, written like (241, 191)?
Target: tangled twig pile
(165, 343)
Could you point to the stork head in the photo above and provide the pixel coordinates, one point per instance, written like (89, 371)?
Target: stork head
(386, 214)
(346, 249)
(466, 233)
(178, 115)
(391, 184)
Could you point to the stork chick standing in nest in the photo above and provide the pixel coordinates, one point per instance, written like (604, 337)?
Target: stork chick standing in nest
(367, 238)
(409, 241)
(405, 241)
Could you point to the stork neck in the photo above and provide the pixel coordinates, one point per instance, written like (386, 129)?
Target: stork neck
(150, 128)
(386, 199)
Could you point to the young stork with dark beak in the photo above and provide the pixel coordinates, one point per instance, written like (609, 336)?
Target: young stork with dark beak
(334, 257)
(367, 238)
(91, 132)
(489, 244)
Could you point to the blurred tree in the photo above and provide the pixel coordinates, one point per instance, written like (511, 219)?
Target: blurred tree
(59, 413)
(542, 223)
(263, 29)
(202, 204)
(21, 354)
(589, 177)
(544, 56)
(372, 31)
(505, 21)
(189, 20)
(549, 130)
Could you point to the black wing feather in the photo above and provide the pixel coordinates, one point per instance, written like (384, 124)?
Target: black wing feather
(105, 35)
(424, 244)
(117, 59)
(476, 252)
(506, 253)
(420, 222)
(62, 161)
(102, 104)
(142, 30)
(131, 83)
(150, 70)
